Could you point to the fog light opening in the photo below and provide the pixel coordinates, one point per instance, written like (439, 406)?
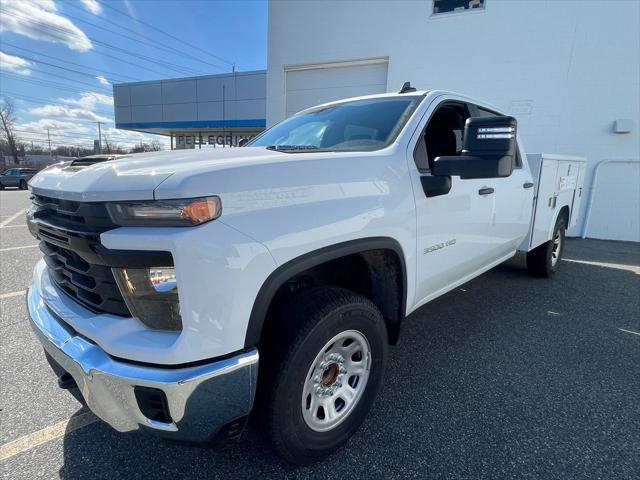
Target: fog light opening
(153, 404)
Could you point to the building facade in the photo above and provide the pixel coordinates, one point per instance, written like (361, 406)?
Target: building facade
(569, 71)
(207, 111)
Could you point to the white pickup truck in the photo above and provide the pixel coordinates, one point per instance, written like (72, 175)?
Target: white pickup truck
(178, 287)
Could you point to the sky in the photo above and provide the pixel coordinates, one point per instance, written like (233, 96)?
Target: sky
(59, 58)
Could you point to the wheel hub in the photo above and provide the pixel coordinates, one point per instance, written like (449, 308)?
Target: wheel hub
(330, 373)
(336, 380)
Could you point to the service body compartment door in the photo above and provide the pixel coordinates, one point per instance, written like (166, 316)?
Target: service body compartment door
(543, 211)
(559, 180)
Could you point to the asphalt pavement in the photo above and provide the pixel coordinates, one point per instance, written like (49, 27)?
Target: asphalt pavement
(506, 377)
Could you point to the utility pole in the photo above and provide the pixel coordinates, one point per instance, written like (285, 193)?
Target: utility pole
(99, 138)
(49, 139)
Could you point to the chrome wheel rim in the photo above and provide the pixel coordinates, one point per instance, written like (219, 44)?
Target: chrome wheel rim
(555, 252)
(336, 380)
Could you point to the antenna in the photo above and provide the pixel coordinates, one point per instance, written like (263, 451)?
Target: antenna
(406, 88)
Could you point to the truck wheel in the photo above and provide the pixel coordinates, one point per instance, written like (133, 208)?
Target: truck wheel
(543, 261)
(23, 185)
(320, 380)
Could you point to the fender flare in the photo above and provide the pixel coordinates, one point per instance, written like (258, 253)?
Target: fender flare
(309, 260)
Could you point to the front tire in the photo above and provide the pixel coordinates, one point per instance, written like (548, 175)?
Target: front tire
(543, 261)
(320, 380)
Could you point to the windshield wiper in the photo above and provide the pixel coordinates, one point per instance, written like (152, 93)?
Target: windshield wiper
(289, 148)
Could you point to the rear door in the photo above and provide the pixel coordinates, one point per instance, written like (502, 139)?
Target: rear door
(454, 232)
(513, 200)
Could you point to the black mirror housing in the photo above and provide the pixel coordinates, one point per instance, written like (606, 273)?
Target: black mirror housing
(466, 166)
(488, 151)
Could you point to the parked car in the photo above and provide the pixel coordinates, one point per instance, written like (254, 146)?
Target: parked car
(177, 287)
(17, 177)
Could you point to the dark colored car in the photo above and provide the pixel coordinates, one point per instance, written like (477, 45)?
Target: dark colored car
(17, 177)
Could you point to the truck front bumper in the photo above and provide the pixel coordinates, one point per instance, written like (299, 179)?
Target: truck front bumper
(191, 404)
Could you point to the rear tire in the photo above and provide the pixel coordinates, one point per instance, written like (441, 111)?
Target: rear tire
(543, 261)
(23, 185)
(321, 372)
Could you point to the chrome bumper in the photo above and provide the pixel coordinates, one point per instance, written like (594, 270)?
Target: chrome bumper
(200, 399)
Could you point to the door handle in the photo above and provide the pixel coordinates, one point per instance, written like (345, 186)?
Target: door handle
(485, 191)
(527, 185)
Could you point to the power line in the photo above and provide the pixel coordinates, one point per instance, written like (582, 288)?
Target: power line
(104, 4)
(42, 101)
(154, 43)
(110, 74)
(49, 29)
(90, 85)
(67, 69)
(39, 101)
(43, 83)
(70, 134)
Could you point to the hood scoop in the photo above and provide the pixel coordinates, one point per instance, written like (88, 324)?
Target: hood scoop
(92, 160)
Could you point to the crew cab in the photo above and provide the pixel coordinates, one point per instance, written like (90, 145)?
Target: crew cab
(181, 291)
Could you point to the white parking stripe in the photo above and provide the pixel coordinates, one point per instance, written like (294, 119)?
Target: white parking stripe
(15, 226)
(45, 435)
(11, 218)
(629, 331)
(17, 248)
(12, 294)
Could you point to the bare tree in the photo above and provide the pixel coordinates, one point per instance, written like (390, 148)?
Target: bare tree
(154, 146)
(7, 120)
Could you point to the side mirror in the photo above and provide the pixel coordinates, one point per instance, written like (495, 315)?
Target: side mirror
(488, 151)
(243, 142)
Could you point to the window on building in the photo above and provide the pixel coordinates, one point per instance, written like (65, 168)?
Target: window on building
(448, 6)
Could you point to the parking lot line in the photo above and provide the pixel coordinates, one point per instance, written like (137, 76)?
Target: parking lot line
(7, 221)
(628, 331)
(14, 226)
(631, 268)
(12, 294)
(45, 435)
(17, 248)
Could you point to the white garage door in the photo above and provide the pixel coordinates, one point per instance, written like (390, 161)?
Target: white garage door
(311, 85)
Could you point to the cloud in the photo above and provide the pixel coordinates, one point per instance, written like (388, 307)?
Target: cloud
(41, 21)
(77, 108)
(102, 80)
(14, 64)
(92, 5)
(60, 126)
(89, 100)
(70, 124)
(68, 112)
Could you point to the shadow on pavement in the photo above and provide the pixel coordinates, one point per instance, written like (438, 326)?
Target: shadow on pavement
(506, 377)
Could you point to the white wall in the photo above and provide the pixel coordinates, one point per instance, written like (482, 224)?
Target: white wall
(565, 69)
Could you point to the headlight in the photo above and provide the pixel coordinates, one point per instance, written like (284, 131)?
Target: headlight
(151, 295)
(165, 213)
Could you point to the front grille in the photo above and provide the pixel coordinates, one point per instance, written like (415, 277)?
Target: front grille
(69, 234)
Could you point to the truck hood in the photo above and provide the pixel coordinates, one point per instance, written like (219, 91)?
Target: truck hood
(136, 176)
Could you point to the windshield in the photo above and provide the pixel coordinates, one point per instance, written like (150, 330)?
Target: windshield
(361, 125)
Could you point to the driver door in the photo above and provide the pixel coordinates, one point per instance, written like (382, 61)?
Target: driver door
(454, 234)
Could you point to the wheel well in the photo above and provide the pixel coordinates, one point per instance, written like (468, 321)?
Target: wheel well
(564, 213)
(377, 274)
